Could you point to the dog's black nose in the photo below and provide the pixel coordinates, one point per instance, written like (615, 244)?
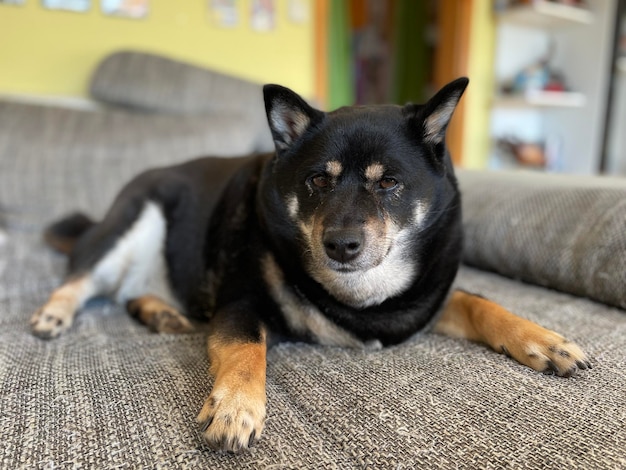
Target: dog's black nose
(343, 245)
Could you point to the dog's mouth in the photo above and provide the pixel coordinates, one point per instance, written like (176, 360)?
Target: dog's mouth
(366, 260)
(369, 258)
(343, 268)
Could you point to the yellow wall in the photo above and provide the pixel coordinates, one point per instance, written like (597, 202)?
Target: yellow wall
(45, 52)
(476, 139)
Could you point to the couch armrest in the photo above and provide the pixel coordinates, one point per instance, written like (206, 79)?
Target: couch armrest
(563, 232)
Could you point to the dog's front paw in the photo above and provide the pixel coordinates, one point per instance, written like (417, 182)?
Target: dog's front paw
(50, 321)
(548, 352)
(232, 420)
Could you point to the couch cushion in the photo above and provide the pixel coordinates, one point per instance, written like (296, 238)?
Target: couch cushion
(55, 160)
(149, 82)
(156, 83)
(563, 232)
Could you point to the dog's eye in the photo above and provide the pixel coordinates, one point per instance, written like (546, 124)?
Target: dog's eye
(321, 181)
(387, 183)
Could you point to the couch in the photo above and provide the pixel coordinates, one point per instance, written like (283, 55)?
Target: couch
(111, 394)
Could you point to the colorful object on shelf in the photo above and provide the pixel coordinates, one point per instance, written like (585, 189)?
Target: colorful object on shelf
(539, 76)
(523, 153)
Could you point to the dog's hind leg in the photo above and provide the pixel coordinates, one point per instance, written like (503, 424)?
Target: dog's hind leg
(121, 257)
(158, 315)
(478, 319)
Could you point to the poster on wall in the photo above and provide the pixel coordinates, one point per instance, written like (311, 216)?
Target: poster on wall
(299, 11)
(223, 13)
(71, 5)
(12, 2)
(263, 15)
(126, 8)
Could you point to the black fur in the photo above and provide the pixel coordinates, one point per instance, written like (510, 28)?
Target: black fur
(225, 215)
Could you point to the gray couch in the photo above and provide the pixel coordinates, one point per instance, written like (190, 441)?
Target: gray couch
(110, 394)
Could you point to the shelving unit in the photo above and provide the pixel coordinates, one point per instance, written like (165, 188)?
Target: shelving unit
(538, 98)
(544, 14)
(577, 43)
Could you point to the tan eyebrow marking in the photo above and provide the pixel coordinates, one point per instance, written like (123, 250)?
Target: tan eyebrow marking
(334, 168)
(374, 172)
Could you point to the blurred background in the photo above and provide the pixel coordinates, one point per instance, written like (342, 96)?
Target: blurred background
(548, 78)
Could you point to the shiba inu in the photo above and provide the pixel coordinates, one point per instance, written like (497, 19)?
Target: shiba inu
(349, 234)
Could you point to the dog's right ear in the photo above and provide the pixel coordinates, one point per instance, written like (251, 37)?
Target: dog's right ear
(288, 115)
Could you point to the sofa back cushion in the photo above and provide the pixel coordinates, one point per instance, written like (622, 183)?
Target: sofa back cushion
(563, 232)
(156, 83)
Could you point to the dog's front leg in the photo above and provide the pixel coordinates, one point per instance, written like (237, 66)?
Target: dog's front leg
(233, 415)
(477, 319)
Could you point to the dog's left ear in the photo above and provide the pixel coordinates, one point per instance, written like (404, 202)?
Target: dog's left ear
(288, 115)
(435, 115)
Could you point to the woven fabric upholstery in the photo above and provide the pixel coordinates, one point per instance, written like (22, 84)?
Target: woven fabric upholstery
(110, 394)
(51, 147)
(154, 83)
(558, 232)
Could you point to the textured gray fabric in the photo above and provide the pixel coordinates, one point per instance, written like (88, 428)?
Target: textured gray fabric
(554, 231)
(154, 83)
(110, 394)
(50, 147)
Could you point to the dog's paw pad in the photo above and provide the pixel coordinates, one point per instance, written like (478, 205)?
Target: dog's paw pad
(232, 422)
(49, 323)
(554, 355)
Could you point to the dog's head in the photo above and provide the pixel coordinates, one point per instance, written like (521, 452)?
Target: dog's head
(355, 193)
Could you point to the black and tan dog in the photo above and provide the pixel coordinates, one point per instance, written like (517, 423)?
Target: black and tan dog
(350, 235)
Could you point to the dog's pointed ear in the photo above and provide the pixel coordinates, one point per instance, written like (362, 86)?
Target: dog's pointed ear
(288, 115)
(435, 115)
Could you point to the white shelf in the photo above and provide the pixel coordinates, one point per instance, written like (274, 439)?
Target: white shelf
(545, 14)
(537, 98)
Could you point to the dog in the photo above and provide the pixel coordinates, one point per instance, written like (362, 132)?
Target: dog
(349, 234)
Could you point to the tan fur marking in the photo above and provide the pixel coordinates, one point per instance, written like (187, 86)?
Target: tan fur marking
(57, 314)
(477, 319)
(234, 412)
(302, 316)
(334, 168)
(374, 172)
(159, 315)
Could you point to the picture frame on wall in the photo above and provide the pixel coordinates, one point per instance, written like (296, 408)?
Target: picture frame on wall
(79, 6)
(134, 9)
(223, 13)
(263, 15)
(299, 11)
